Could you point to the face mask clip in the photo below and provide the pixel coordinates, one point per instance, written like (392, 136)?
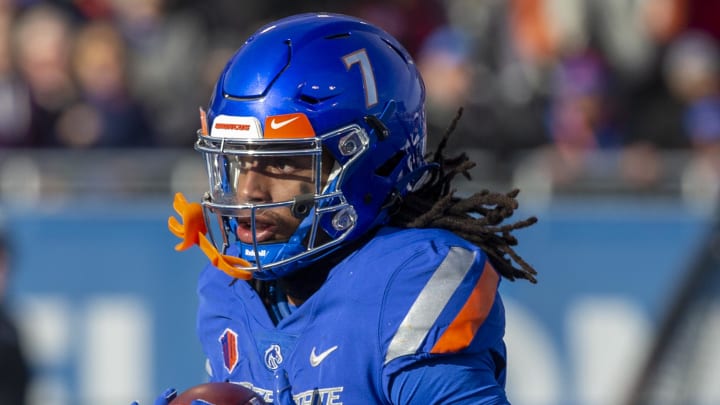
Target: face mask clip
(302, 205)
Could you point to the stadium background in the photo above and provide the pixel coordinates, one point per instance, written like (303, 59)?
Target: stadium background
(604, 113)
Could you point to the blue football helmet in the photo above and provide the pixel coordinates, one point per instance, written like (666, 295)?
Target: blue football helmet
(326, 101)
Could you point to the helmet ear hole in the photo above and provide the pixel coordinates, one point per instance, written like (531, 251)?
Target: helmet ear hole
(389, 166)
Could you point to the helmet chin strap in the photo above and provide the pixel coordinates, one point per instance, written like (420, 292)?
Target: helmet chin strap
(235, 267)
(192, 231)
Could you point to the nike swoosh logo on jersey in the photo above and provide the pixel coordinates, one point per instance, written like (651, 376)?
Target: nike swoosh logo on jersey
(316, 359)
(280, 124)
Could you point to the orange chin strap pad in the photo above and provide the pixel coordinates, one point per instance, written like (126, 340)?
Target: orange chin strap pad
(192, 231)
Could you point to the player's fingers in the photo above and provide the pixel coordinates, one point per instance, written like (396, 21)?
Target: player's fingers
(167, 396)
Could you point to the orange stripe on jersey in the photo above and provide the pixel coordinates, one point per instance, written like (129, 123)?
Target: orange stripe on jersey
(294, 126)
(462, 329)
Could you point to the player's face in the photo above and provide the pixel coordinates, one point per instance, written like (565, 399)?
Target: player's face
(269, 180)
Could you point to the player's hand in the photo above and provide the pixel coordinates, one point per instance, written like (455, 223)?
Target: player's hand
(164, 398)
(193, 222)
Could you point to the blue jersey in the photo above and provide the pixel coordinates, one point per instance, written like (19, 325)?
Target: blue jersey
(412, 317)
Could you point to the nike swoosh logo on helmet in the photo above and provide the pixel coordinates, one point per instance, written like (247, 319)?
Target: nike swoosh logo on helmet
(280, 124)
(316, 359)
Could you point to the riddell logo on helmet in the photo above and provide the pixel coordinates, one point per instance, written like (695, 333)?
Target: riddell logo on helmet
(251, 253)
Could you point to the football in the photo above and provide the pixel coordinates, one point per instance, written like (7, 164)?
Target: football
(218, 393)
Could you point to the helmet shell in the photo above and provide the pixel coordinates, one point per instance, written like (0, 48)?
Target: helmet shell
(338, 71)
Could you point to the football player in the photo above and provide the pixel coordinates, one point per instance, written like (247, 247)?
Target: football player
(343, 269)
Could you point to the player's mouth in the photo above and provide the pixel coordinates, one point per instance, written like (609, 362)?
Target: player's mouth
(264, 230)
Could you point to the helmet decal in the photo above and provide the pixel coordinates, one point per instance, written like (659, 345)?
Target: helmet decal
(360, 58)
(228, 126)
(295, 125)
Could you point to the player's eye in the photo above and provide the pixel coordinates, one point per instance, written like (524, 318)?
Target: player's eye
(245, 163)
(286, 165)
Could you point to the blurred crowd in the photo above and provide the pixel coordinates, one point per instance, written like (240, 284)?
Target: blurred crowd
(565, 77)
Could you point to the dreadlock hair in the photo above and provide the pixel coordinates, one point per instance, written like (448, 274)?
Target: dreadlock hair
(478, 218)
